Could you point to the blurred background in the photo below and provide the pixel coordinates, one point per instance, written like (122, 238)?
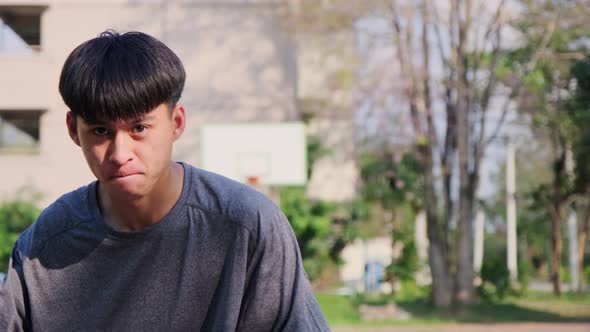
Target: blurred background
(432, 156)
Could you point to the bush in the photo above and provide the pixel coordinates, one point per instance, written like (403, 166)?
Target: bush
(525, 272)
(494, 272)
(311, 222)
(405, 267)
(15, 216)
(495, 280)
(587, 274)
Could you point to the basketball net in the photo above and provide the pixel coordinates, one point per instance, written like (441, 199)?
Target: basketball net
(254, 182)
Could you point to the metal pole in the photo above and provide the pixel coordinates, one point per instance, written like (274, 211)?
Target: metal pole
(478, 241)
(572, 227)
(421, 238)
(511, 213)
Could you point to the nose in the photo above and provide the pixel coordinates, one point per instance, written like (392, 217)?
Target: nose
(120, 150)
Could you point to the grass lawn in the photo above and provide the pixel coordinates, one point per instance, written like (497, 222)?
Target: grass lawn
(338, 309)
(534, 307)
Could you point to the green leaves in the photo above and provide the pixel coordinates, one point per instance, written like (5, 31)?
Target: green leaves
(312, 224)
(391, 180)
(15, 216)
(405, 267)
(578, 109)
(535, 80)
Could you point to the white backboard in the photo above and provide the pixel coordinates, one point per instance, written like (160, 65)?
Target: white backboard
(274, 153)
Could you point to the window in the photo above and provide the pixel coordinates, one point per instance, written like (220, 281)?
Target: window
(20, 26)
(20, 131)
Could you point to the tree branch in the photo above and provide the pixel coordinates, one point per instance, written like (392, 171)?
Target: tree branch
(528, 68)
(406, 67)
(426, 76)
(493, 26)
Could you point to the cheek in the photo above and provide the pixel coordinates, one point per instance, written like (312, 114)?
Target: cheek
(159, 145)
(94, 155)
(147, 152)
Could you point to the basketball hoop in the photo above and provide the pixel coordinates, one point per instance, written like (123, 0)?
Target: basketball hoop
(274, 153)
(253, 181)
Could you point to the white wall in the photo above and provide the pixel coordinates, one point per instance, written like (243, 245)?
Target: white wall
(240, 67)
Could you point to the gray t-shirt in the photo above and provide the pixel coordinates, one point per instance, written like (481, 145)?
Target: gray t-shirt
(224, 258)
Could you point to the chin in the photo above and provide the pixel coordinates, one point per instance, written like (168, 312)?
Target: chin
(127, 188)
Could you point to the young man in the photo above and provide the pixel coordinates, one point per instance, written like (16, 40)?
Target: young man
(152, 245)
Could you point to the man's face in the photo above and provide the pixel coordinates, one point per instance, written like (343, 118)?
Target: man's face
(129, 157)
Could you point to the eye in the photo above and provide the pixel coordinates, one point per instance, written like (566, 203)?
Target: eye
(100, 131)
(139, 129)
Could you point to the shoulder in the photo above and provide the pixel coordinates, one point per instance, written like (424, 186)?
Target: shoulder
(66, 213)
(234, 201)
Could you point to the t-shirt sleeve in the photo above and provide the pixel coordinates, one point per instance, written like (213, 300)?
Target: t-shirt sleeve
(12, 304)
(278, 295)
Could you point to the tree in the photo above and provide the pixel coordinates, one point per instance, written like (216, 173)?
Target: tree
(468, 46)
(392, 181)
(579, 111)
(546, 95)
(447, 63)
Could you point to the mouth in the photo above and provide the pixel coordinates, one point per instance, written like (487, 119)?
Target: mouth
(122, 175)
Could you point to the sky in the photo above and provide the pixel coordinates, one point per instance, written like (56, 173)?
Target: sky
(11, 43)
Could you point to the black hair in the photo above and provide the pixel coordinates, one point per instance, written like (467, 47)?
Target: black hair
(120, 76)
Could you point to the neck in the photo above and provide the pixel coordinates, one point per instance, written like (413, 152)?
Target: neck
(138, 213)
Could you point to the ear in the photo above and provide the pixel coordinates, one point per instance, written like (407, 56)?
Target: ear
(178, 121)
(72, 124)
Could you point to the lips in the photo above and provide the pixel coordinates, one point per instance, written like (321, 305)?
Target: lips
(122, 174)
(116, 176)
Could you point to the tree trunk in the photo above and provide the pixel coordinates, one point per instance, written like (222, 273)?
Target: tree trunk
(557, 248)
(582, 234)
(448, 163)
(437, 254)
(419, 104)
(441, 283)
(465, 290)
(557, 201)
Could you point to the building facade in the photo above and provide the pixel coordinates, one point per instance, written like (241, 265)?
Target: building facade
(241, 66)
